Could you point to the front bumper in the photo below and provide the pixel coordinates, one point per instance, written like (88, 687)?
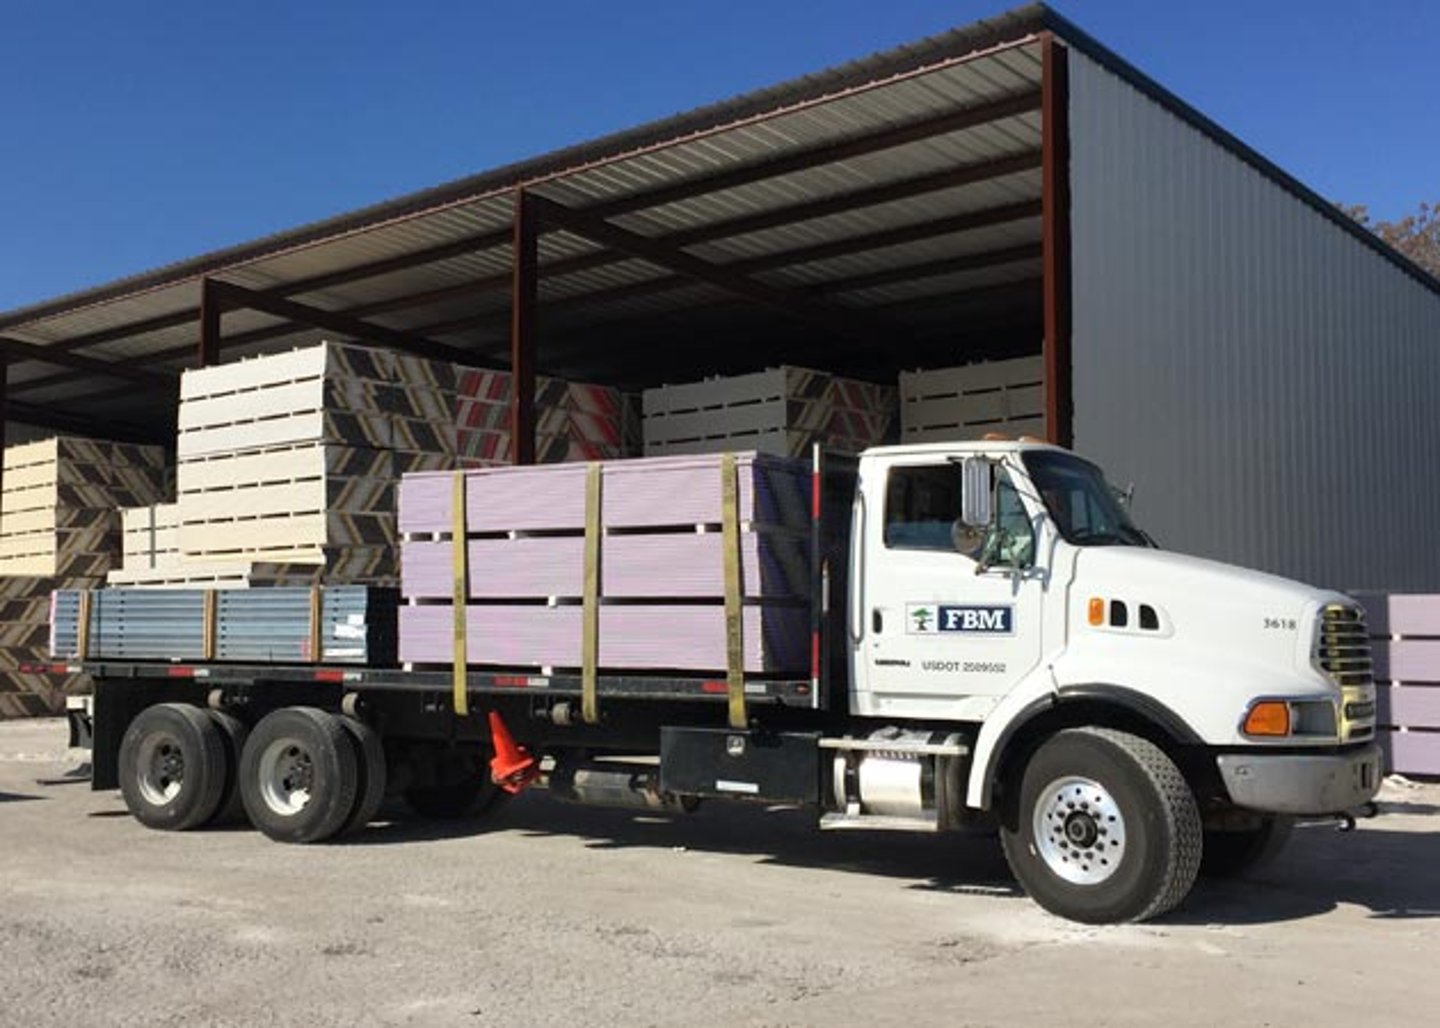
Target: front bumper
(1296, 783)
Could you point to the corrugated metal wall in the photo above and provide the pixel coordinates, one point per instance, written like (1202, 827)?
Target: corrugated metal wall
(1268, 381)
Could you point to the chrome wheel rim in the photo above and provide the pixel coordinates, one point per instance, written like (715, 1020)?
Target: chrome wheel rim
(1079, 830)
(161, 765)
(287, 774)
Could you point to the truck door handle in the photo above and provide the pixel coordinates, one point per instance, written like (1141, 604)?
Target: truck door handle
(877, 622)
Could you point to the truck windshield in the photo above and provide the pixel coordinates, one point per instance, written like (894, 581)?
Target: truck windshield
(1085, 509)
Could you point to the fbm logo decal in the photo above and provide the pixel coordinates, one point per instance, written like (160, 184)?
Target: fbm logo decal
(944, 618)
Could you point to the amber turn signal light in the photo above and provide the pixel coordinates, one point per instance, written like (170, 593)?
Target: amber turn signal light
(1097, 611)
(1271, 717)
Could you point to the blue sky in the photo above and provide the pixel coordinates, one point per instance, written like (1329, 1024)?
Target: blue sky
(144, 132)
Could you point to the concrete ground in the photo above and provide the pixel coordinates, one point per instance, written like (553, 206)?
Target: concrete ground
(563, 915)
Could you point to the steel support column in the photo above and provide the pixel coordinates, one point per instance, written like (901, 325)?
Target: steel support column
(524, 297)
(1055, 216)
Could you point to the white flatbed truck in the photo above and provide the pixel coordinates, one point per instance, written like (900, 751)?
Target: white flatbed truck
(994, 642)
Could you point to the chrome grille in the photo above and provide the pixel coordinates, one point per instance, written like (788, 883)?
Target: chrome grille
(1342, 651)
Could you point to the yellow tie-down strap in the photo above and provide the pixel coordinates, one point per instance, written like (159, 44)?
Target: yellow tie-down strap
(590, 613)
(734, 611)
(460, 594)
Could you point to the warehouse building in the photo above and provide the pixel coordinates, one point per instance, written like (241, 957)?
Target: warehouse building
(1197, 321)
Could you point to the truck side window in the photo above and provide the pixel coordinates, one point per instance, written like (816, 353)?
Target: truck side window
(921, 505)
(1011, 542)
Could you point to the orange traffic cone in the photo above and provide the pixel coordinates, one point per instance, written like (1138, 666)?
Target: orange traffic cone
(512, 768)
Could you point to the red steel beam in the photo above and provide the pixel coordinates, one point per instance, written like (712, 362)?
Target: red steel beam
(1055, 219)
(16, 352)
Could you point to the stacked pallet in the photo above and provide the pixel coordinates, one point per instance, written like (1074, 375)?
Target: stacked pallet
(658, 558)
(950, 404)
(58, 510)
(59, 528)
(782, 411)
(573, 420)
(293, 458)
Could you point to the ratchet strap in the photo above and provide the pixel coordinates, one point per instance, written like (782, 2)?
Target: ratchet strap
(734, 611)
(590, 612)
(460, 561)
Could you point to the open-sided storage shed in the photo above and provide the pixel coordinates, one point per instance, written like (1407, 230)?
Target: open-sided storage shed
(1209, 327)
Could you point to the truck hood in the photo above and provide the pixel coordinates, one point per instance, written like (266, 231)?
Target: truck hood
(1180, 574)
(1211, 615)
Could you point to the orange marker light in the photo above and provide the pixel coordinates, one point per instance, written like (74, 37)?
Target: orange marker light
(1097, 610)
(1268, 718)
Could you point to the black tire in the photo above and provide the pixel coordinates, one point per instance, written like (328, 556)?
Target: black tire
(233, 733)
(1099, 793)
(1228, 854)
(299, 775)
(172, 767)
(370, 760)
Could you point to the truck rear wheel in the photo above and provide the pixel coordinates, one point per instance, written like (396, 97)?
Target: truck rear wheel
(1230, 853)
(172, 767)
(1104, 828)
(232, 734)
(299, 775)
(370, 762)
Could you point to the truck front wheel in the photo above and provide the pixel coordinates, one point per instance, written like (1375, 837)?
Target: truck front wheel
(1103, 829)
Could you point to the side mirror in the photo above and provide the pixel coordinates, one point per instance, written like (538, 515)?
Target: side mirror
(977, 497)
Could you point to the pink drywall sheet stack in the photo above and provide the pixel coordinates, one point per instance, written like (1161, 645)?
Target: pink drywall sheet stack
(782, 411)
(573, 420)
(661, 565)
(953, 404)
(60, 529)
(1405, 641)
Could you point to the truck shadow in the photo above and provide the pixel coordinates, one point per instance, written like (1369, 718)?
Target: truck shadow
(1388, 873)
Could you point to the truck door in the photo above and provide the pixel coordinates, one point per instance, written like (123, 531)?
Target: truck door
(946, 621)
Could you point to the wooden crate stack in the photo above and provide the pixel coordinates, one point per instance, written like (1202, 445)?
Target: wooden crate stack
(660, 565)
(950, 404)
(288, 463)
(781, 411)
(60, 529)
(293, 458)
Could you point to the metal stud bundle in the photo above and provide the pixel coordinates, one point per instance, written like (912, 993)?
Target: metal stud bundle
(782, 411)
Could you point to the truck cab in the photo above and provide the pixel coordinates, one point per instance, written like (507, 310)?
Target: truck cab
(1004, 585)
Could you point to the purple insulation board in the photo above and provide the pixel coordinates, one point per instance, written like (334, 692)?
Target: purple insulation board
(651, 566)
(651, 493)
(632, 637)
(661, 564)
